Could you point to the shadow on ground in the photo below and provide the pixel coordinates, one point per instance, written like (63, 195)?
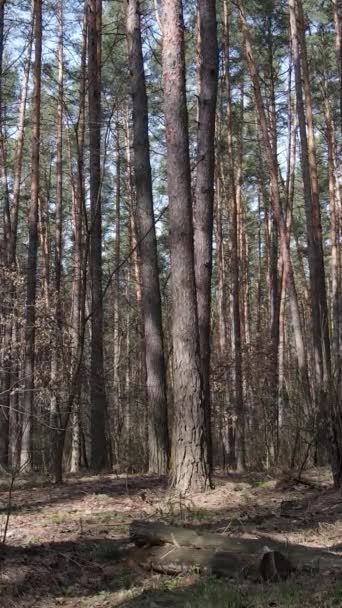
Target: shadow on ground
(29, 497)
(64, 569)
(66, 573)
(213, 593)
(47, 574)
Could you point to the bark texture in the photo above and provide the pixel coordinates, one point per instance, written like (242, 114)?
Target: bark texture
(31, 271)
(204, 191)
(238, 450)
(154, 351)
(189, 458)
(97, 381)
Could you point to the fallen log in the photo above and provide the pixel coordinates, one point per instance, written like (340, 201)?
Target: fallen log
(150, 533)
(171, 560)
(269, 558)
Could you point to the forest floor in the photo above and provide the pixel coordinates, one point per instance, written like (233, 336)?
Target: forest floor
(64, 543)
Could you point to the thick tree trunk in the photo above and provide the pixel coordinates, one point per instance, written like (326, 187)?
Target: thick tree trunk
(204, 190)
(137, 280)
(189, 459)
(31, 272)
(97, 381)
(154, 352)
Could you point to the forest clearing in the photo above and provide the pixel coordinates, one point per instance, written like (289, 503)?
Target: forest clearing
(69, 546)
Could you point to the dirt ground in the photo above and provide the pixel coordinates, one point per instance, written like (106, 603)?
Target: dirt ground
(66, 545)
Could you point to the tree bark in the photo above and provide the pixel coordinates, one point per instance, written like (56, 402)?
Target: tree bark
(204, 191)
(80, 259)
(11, 400)
(274, 265)
(335, 235)
(319, 306)
(319, 310)
(115, 412)
(19, 150)
(336, 6)
(97, 380)
(31, 272)
(189, 459)
(258, 565)
(276, 202)
(239, 449)
(154, 350)
(3, 160)
(57, 343)
(5, 357)
(154, 533)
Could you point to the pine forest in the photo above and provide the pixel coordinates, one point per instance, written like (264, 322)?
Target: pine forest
(171, 277)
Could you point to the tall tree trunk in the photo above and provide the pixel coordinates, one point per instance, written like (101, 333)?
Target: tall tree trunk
(80, 259)
(319, 307)
(31, 272)
(289, 195)
(57, 343)
(276, 201)
(127, 384)
(154, 351)
(117, 321)
(19, 150)
(44, 245)
(222, 322)
(204, 191)
(189, 459)
(239, 449)
(5, 358)
(335, 235)
(275, 278)
(97, 381)
(76, 306)
(3, 160)
(336, 6)
(319, 310)
(136, 267)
